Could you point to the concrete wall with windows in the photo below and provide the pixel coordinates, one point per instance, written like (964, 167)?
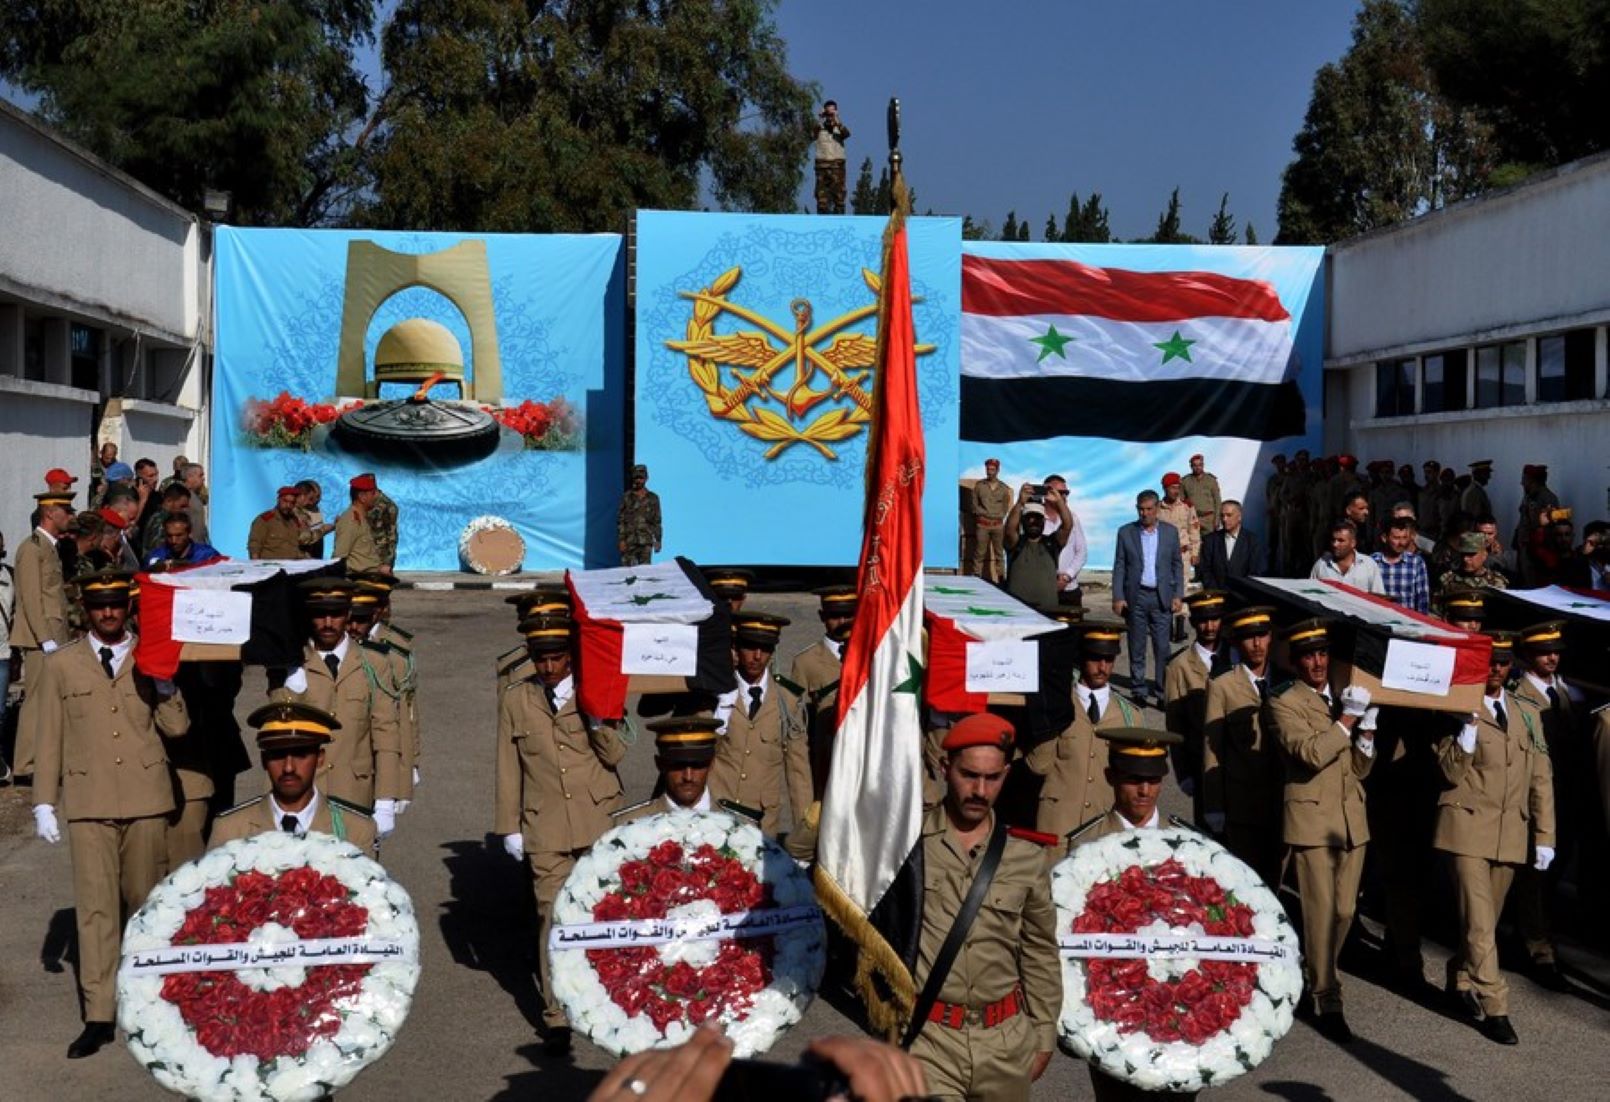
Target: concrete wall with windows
(104, 315)
(1479, 332)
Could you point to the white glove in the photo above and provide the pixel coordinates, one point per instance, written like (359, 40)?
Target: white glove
(385, 817)
(514, 846)
(1467, 738)
(400, 806)
(297, 681)
(416, 776)
(1355, 699)
(164, 687)
(1215, 821)
(1368, 722)
(1545, 858)
(48, 646)
(1188, 785)
(45, 824)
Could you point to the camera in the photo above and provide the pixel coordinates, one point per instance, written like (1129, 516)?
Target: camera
(1036, 492)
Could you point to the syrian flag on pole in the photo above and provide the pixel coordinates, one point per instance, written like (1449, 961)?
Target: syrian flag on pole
(869, 851)
(1059, 348)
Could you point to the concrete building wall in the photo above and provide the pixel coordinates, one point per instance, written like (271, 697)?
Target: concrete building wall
(1484, 296)
(42, 425)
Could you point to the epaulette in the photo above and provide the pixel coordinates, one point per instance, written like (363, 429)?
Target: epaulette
(1084, 826)
(377, 648)
(796, 689)
(1599, 709)
(1039, 838)
(253, 802)
(740, 810)
(628, 810)
(348, 805)
(408, 636)
(820, 694)
(1183, 824)
(1283, 687)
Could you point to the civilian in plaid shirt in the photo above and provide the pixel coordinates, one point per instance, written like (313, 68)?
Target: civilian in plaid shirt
(1403, 571)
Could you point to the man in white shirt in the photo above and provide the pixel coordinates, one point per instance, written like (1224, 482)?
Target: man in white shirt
(1343, 563)
(1076, 549)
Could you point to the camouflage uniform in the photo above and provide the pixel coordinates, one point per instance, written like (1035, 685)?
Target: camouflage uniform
(383, 525)
(1457, 579)
(637, 526)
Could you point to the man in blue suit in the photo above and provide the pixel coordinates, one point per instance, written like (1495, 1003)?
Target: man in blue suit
(1148, 589)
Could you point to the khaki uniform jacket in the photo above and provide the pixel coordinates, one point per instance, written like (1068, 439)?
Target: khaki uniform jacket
(100, 753)
(1501, 798)
(393, 669)
(1012, 941)
(757, 758)
(256, 817)
(402, 642)
(1185, 684)
(1242, 774)
(1202, 491)
(363, 761)
(1324, 772)
(1073, 763)
(816, 670)
(1110, 823)
(991, 499)
(355, 542)
(41, 614)
(273, 537)
(556, 779)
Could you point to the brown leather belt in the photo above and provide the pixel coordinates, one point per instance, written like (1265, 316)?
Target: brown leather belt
(956, 1016)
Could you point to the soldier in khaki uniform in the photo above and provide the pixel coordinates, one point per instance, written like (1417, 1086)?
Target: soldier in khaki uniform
(363, 763)
(730, 584)
(1497, 806)
(1242, 778)
(992, 500)
(290, 743)
(278, 533)
(1202, 491)
(1071, 763)
(190, 763)
(545, 600)
(764, 748)
(1328, 748)
(816, 671)
(1185, 688)
(385, 633)
(393, 674)
(992, 1029)
(101, 758)
(354, 536)
(42, 615)
(556, 784)
(684, 750)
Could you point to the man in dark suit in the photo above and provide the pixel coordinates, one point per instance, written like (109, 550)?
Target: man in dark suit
(1148, 590)
(1232, 551)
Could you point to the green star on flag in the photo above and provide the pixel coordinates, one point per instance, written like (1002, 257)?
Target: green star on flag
(1052, 341)
(913, 682)
(1175, 346)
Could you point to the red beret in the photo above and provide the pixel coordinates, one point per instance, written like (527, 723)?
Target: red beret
(1171, 479)
(365, 481)
(112, 517)
(1345, 460)
(980, 730)
(56, 474)
(287, 491)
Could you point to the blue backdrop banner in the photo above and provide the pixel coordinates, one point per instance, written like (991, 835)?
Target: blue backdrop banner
(755, 366)
(476, 375)
(1112, 365)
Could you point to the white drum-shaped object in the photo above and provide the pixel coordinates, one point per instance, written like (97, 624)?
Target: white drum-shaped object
(490, 545)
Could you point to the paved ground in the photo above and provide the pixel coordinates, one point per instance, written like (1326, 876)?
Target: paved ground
(471, 1035)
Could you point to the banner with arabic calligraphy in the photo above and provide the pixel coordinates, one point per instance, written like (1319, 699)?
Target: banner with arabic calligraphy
(754, 373)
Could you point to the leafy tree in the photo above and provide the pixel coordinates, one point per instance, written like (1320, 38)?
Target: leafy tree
(1537, 74)
(1051, 231)
(1168, 224)
(864, 199)
(510, 115)
(260, 98)
(1093, 220)
(976, 231)
(1009, 227)
(1023, 230)
(1379, 143)
(1072, 222)
(1222, 231)
(1251, 235)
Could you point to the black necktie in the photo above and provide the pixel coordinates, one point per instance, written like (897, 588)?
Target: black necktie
(1503, 716)
(1094, 711)
(754, 701)
(1263, 690)
(1335, 707)
(553, 699)
(1554, 694)
(333, 664)
(288, 823)
(106, 662)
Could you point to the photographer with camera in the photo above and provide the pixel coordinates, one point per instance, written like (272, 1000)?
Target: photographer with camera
(829, 133)
(1032, 553)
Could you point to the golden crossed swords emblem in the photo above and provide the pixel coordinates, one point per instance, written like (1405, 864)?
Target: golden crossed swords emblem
(755, 363)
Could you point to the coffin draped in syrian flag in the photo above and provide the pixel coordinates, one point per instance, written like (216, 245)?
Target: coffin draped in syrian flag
(1586, 615)
(1403, 658)
(655, 628)
(225, 610)
(982, 645)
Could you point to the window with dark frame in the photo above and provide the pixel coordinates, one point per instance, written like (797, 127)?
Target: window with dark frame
(1501, 375)
(1565, 366)
(1394, 388)
(1443, 379)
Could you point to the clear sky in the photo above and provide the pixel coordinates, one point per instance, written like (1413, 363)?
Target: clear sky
(1017, 103)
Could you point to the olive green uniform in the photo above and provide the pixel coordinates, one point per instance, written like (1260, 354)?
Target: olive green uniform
(1242, 777)
(355, 542)
(383, 526)
(637, 526)
(274, 537)
(41, 617)
(1202, 491)
(992, 500)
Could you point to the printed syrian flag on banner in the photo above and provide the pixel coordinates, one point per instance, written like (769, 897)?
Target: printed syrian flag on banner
(1055, 348)
(869, 850)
